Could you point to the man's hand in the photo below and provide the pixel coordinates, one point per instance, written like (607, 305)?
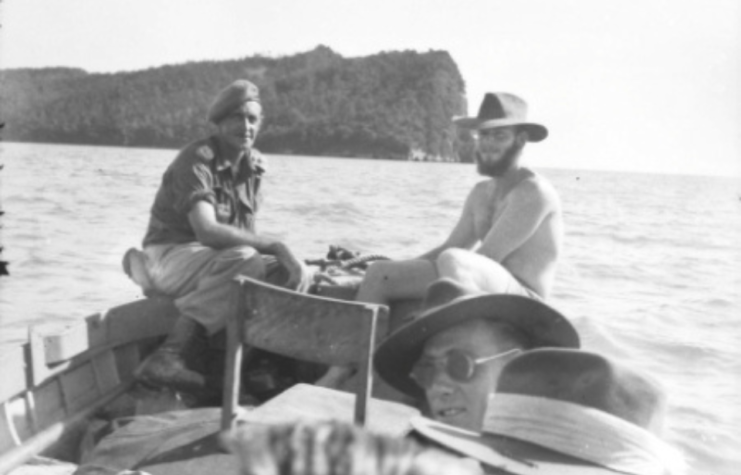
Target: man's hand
(296, 269)
(220, 236)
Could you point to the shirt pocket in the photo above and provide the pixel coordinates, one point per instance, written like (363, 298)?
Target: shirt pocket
(224, 206)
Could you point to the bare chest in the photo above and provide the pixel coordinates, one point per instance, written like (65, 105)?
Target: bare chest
(487, 207)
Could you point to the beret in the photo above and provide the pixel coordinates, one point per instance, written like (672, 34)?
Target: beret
(231, 97)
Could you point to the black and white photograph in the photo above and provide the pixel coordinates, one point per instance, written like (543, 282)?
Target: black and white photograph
(398, 237)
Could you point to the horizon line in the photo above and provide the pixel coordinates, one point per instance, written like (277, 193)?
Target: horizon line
(727, 175)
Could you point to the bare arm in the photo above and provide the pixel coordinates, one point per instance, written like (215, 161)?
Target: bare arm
(463, 234)
(211, 233)
(524, 211)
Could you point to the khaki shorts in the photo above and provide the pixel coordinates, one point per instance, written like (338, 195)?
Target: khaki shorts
(200, 279)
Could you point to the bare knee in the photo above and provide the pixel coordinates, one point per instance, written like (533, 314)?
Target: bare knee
(452, 261)
(474, 270)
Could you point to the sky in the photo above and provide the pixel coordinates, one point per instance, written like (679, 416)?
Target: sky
(635, 85)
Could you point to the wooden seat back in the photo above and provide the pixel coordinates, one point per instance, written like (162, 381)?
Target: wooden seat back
(301, 326)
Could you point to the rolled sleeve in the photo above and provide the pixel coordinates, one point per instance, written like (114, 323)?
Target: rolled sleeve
(192, 184)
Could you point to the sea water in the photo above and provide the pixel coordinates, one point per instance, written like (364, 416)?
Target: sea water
(651, 272)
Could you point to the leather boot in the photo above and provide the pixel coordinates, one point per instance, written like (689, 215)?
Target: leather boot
(166, 367)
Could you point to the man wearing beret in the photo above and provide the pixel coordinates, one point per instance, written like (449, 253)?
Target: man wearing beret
(202, 233)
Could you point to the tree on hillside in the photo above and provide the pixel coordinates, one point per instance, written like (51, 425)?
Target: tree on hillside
(316, 103)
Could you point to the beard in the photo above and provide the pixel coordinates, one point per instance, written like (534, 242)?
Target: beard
(500, 167)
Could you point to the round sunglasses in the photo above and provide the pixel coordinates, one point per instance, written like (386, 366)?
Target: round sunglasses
(457, 365)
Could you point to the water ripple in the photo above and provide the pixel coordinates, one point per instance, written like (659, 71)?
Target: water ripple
(649, 272)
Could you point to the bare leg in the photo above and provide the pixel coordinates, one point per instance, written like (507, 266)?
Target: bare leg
(385, 281)
(478, 272)
(389, 280)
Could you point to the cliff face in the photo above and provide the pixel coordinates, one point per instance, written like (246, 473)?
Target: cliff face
(316, 103)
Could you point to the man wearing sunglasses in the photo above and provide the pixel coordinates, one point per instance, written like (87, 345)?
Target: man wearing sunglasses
(508, 237)
(450, 356)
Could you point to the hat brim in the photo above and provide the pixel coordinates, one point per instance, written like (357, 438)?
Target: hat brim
(536, 132)
(543, 325)
(504, 453)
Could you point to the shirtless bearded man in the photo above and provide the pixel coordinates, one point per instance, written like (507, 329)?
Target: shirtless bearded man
(509, 234)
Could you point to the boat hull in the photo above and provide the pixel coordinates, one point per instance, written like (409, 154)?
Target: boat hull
(58, 379)
(55, 381)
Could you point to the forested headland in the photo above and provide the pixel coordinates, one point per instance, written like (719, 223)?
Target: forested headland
(395, 105)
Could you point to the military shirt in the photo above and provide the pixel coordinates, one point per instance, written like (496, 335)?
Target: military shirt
(199, 172)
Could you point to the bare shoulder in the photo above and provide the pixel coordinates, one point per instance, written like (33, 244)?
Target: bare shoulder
(482, 196)
(537, 187)
(483, 188)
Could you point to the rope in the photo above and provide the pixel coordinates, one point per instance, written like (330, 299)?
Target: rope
(343, 259)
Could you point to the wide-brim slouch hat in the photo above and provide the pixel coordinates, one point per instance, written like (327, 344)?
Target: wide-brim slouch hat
(563, 411)
(446, 304)
(231, 97)
(502, 109)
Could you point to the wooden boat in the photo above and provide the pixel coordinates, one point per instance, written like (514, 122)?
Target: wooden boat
(58, 380)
